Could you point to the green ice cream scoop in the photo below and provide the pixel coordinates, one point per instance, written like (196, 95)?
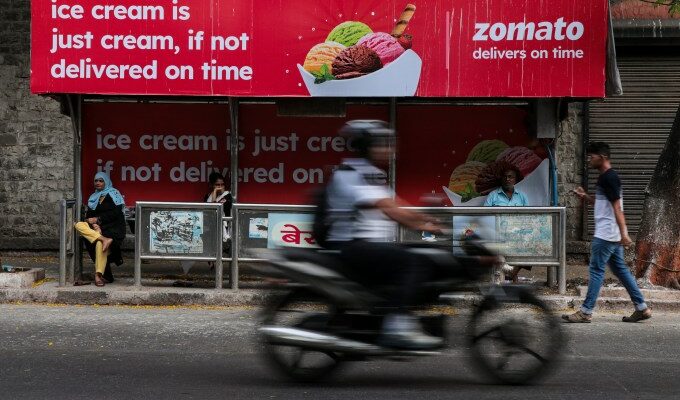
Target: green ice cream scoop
(487, 151)
(348, 33)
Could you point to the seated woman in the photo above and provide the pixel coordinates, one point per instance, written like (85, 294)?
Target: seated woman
(219, 194)
(104, 227)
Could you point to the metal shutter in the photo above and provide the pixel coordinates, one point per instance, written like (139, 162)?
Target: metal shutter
(636, 126)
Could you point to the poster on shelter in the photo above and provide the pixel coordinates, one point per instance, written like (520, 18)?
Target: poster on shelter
(176, 232)
(258, 228)
(526, 235)
(290, 230)
(472, 226)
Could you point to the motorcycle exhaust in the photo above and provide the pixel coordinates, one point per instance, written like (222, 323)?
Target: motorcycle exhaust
(324, 342)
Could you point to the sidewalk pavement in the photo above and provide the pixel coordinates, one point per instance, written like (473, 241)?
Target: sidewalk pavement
(159, 279)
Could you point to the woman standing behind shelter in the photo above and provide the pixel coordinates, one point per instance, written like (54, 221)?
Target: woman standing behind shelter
(104, 225)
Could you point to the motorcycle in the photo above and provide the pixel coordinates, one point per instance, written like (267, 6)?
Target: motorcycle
(325, 320)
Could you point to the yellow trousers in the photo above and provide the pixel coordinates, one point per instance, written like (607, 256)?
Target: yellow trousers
(91, 235)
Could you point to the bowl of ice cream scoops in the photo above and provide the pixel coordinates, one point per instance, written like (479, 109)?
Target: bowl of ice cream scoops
(356, 61)
(482, 171)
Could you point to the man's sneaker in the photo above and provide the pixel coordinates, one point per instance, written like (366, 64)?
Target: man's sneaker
(403, 331)
(578, 317)
(638, 316)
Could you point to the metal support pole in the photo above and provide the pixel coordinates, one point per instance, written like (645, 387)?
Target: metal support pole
(392, 173)
(551, 277)
(75, 265)
(138, 246)
(78, 183)
(233, 271)
(562, 272)
(233, 280)
(62, 243)
(218, 259)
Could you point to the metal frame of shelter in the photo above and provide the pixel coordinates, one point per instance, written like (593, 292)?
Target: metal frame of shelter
(546, 115)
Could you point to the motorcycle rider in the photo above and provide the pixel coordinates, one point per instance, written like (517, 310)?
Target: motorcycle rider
(363, 214)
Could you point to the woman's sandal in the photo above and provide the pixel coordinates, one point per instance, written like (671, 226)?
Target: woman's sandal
(99, 280)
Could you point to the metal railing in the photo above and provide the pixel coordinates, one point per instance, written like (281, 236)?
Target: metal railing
(238, 219)
(179, 232)
(554, 218)
(555, 226)
(244, 212)
(67, 240)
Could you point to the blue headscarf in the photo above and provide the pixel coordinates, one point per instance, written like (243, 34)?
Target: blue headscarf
(117, 198)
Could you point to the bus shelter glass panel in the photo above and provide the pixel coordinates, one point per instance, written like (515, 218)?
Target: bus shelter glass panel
(262, 229)
(179, 232)
(521, 237)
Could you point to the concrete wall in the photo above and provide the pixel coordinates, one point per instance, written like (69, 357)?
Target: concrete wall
(36, 165)
(569, 151)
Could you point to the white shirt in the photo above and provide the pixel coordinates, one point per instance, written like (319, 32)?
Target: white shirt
(352, 194)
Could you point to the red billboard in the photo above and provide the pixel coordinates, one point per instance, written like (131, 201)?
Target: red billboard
(337, 48)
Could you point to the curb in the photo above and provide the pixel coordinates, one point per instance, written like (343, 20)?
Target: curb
(149, 296)
(206, 297)
(554, 303)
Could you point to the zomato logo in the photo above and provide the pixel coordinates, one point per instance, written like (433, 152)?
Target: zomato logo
(558, 30)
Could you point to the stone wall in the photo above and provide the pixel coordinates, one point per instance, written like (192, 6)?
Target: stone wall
(569, 151)
(36, 141)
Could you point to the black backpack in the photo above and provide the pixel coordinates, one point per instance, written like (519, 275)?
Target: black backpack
(322, 218)
(322, 222)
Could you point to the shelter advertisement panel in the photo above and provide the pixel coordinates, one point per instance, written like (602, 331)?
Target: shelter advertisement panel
(462, 151)
(166, 152)
(348, 48)
(155, 152)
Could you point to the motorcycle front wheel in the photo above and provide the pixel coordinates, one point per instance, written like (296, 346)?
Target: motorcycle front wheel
(515, 339)
(306, 310)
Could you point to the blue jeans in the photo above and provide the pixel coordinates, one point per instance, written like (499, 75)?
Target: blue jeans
(603, 252)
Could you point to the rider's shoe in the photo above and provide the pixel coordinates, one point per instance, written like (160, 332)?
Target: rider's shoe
(410, 340)
(403, 331)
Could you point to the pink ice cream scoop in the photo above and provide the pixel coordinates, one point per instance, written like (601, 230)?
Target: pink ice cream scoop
(521, 157)
(385, 45)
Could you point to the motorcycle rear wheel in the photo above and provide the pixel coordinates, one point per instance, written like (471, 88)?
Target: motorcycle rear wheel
(305, 310)
(516, 340)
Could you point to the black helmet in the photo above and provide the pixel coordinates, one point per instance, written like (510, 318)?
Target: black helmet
(363, 134)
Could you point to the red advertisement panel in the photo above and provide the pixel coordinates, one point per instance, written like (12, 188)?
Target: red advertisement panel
(441, 146)
(155, 152)
(428, 48)
(282, 159)
(165, 152)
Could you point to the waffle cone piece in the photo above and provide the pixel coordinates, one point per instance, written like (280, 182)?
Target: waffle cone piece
(403, 21)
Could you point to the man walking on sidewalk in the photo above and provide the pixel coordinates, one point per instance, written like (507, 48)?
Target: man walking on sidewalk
(611, 235)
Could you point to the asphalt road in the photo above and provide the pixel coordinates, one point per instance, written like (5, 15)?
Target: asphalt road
(60, 352)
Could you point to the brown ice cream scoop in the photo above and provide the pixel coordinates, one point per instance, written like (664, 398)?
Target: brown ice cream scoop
(355, 61)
